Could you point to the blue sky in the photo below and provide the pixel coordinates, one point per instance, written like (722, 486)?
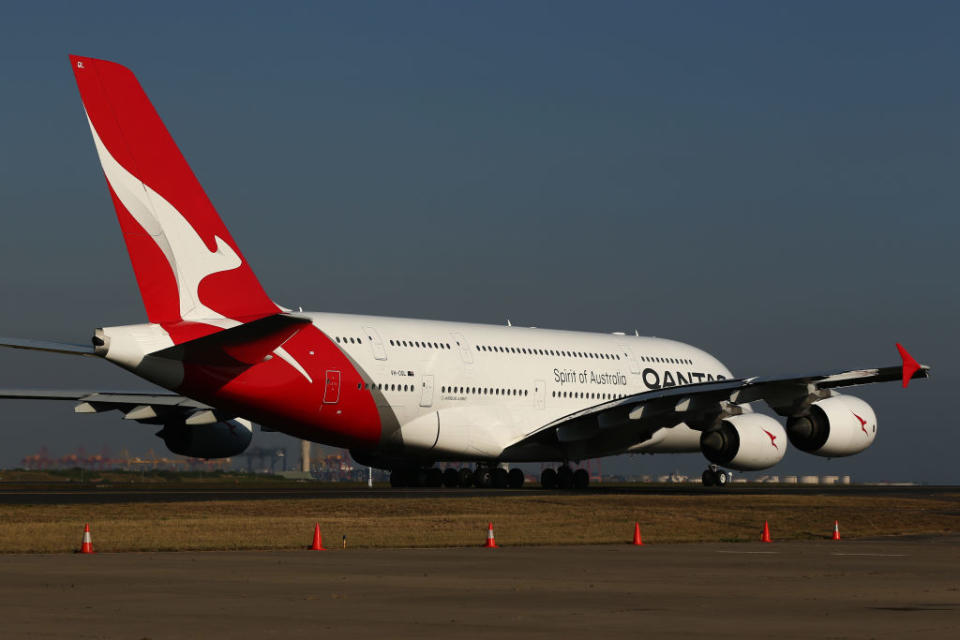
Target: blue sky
(772, 182)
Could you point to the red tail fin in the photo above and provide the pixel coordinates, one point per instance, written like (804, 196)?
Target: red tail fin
(187, 265)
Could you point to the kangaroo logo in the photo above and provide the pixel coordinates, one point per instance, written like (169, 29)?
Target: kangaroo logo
(863, 423)
(773, 439)
(186, 252)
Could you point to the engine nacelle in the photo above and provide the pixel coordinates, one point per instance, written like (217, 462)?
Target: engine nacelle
(216, 440)
(748, 442)
(835, 427)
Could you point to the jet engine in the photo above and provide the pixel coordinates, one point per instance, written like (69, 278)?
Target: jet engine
(215, 440)
(748, 442)
(835, 427)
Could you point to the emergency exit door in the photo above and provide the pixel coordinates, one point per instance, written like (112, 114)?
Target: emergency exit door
(426, 391)
(331, 388)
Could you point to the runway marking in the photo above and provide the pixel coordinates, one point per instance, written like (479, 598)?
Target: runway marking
(752, 552)
(873, 555)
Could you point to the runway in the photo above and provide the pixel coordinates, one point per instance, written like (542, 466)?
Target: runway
(111, 494)
(848, 589)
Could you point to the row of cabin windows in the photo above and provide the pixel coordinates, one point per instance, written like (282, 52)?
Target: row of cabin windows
(419, 344)
(488, 391)
(485, 391)
(423, 344)
(382, 386)
(587, 395)
(549, 352)
(666, 360)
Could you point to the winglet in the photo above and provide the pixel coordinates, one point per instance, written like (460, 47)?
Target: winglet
(910, 366)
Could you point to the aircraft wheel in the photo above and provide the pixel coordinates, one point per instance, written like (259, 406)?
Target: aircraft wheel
(465, 477)
(500, 478)
(708, 478)
(565, 478)
(483, 478)
(722, 478)
(451, 477)
(581, 479)
(515, 479)
(548, 479)
(434, 477)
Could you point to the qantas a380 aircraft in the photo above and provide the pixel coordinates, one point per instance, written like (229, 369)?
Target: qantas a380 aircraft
(404, 394)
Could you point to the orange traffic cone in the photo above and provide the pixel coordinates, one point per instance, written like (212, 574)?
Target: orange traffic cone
(836, 530)
(490, 543)
(765, 536)
(637, 540)
(87, 545)
(317, 540)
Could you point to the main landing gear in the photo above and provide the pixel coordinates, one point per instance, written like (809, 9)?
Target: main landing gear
(715, 477)
(483, 477)
(565, 478)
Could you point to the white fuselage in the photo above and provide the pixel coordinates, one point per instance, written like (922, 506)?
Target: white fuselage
(458, 390)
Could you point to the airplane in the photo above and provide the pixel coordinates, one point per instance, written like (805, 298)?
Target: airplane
(402, 394)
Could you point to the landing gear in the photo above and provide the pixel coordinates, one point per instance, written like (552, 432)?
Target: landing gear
(581, 479)
(548, 479)
(715, 477)
(434, 477)
(451, 477)
(483, 478)
(406, 477)
(565, 478)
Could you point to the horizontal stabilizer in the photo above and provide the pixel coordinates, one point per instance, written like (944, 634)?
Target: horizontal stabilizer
(52, 347)
(245, 345)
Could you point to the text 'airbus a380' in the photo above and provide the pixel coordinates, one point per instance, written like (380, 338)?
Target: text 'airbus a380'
(404, 394)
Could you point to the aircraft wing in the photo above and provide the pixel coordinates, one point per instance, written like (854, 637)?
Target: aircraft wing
(148, 408)
(703, 405)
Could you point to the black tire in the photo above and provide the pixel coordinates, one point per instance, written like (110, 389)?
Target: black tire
(565, 478)
(434, 477)
(548, 479)
(500, 478)
(515, 479)
(722, 478)
(398, 478)
(418, 478)
(708, 478)
(483, 478)
(451, 477)
(465, 477)
(581, 479)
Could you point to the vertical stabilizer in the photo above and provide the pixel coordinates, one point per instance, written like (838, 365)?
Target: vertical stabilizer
(187, 265)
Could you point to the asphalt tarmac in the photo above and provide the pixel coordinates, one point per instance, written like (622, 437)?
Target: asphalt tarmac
(110, 494)
(848, 589)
